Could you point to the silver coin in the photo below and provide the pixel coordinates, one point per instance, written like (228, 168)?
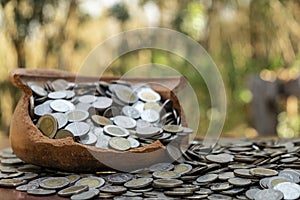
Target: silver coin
(57, 95)
(148, 132)
(124, 121)
(24, 188)
(251, 193)
(239, 181)
(220, 158)
(150, 115)
(102, 141)
(83, 106)
(40, 192)
(102, 103)
(89, 139)
(115, 131)
(219, 197)
(113, 189)
(289, 190)
(77, 115)
(167, 183)
(183, 168)
(207, 178)
(119, 178)
(138, 183)
(62, 105)
(133, 142)
(87, 99)
(78, 129)
(43, 109)
(61, 118)
(142, 124)
(38, 90)
(91, 193)
(75, 189)
(139, 105)
(61, 84)
(268, 194)
(69, 94)
(166, 174)
(130, 111)
(161, 167)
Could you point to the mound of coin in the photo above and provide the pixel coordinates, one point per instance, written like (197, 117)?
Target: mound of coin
(258, 170)
(92, 124)
(116, 115)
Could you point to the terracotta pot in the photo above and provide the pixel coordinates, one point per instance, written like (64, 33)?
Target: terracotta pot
(32, 146)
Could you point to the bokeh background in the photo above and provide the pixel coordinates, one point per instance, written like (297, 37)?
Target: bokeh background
(243, 37)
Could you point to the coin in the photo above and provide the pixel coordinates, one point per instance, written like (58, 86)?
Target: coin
(60, 84)
(172, 128)
(57, 95)
(178, 193)
(218, 196)
(89, 139)
(220, 158)
(148, 132)
(54, 183)
(167, 183)
(251, 193)
(11, 182)
(73, 178)
(166, 174)
(77, 115)
(75, 189)
(289, 190)
(263, 172)
(61, 105)
(43, 109)
(148, 95)
(40, 192)
(113, 189)
(63, 133)
(87, 99)
(92, 182)
(119, 143)
(38, 90)
(125, 94)
(139, 183)
(226, 175)
(130, 111)
(78, 129)
(119, 178)
(150, 115)
(161, 167)
(207, 178)
(239, 181)
(268, 194)
(115, 131)
(133, 142)
(124, 122)
(24, 188)
(91, 193)
(100, 120)
(102, 103)
(220, 186)
(62, 119)
(48, 125)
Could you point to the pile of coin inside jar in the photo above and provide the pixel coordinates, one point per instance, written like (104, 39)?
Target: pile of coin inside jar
(259, 170)
(116, 115)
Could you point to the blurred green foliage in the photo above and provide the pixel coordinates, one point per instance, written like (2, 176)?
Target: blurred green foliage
(243, 37)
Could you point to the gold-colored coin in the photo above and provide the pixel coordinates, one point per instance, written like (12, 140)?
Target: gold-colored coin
(100, 120)
(48, 125)
(63, 133)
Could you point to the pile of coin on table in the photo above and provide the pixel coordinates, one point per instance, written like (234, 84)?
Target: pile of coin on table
(260, 170)
(116, 115)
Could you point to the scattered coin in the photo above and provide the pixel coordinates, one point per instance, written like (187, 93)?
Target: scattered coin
(113, 189)
(100, 120)
(183, 168)
(63, 133)
(57, 95)
(92, 182)
(62, 119)
(166, 174)
(91, 193)
(54, 183)
(133, 142)
(268, 194)
(289, 190)
(207, 178)
(119, 178)
(161, 167)
(150, 115)
(263, 172)
(138, 183)
(148, 95)
(172, 128)
(11, 182)
(220, 158)
(40, 192)
(75, 189)
(89, 139)
(124, 122)
(131, 112)
(239, 181)
(61, 105)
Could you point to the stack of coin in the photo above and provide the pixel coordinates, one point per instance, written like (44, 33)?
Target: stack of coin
(261, 169)
(116, 115)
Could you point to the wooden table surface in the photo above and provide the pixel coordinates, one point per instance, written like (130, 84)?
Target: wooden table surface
(12, 194)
